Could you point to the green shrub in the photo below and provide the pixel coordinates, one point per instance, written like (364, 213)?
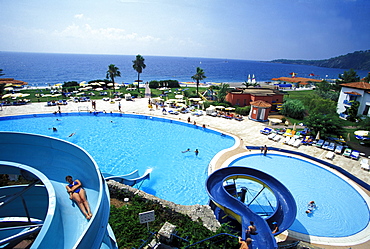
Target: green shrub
(243, 110)
(130, 233)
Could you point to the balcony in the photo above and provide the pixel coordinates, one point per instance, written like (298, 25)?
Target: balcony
(347, 102)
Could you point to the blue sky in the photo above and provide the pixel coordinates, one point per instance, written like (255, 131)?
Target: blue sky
(232, 29)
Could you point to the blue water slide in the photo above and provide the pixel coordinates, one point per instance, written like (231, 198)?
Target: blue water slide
(50, 160)
(284, 213)
(129, 179)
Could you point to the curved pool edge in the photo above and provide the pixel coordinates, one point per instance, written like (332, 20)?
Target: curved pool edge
(361, 237)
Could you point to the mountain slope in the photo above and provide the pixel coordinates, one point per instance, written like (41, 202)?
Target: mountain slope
(359, 60)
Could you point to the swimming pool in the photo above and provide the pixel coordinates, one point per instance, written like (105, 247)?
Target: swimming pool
(341, 210)
(121, 143)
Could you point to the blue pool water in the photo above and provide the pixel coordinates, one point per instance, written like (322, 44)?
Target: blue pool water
(122, 143)
(341, 210)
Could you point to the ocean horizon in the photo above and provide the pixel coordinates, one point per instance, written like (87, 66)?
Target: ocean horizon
(47, 69)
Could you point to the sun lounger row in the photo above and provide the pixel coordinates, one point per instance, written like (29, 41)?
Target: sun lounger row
(275, 137)
(292, 141)
(354, 154)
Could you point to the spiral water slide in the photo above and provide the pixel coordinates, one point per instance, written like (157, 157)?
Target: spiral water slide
(44, 204)
(285, 210)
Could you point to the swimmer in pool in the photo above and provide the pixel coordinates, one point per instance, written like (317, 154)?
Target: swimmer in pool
(78, 194)
(311, 206)
(186, 150)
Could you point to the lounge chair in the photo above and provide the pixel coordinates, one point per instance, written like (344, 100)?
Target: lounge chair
(325, 145)
(271, 136)
(319, 143)
(288, 132)
(297, 135)
(365, 164)
(347, 152)
(339, 149)
(286, 140)
(276, 138)
(330, 155)
(173, 112)
(291, 141)
(355, 154)
(266, 131)
(297, 143)
(331, 146)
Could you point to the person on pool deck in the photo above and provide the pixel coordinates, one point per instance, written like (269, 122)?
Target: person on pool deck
(78, 194)
(245, 244)
(252, 229)
(264, 150)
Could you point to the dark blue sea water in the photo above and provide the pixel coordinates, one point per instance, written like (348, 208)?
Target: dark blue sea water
(42, 69)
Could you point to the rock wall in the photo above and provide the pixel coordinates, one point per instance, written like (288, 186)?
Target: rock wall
(195, 212)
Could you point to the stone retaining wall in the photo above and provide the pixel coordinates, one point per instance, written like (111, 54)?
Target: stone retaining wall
(195, 212)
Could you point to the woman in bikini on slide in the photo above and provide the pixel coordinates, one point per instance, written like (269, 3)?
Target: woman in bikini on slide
(78, 194)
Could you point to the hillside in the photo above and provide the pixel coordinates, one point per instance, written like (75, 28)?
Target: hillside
(359, 60)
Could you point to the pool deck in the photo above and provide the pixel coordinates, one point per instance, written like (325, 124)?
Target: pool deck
(247, 131)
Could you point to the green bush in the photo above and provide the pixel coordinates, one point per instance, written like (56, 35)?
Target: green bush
(164, 83)
(130, 233)
(243, 110)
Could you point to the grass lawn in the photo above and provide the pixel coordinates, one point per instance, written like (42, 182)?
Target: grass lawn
(298, 94)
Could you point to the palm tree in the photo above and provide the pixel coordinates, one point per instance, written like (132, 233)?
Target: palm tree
(138, 66)
(1, 72)
(112, 72)
(198, 76)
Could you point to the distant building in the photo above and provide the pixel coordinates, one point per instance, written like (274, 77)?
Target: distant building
(354, 91)
(244, 97)
(297, 81)
(12, 82)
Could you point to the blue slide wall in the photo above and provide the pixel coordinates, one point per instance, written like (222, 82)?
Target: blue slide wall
(284, 213)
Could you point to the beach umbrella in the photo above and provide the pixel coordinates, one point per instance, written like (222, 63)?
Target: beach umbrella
(318, 135)
(229, 109)
(116, 87)
(20, 95)
(8, 95)
(362, 133)
(9, 88)
(95, 84)
(294, 127)
(99, 89)
(110, 84)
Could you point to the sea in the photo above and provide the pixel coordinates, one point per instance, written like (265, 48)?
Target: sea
(48, 69)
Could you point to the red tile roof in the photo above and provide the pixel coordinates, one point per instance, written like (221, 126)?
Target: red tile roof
(12, 81)
(261, 103)
(358, 85)
(353, 93)
(296, 79)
